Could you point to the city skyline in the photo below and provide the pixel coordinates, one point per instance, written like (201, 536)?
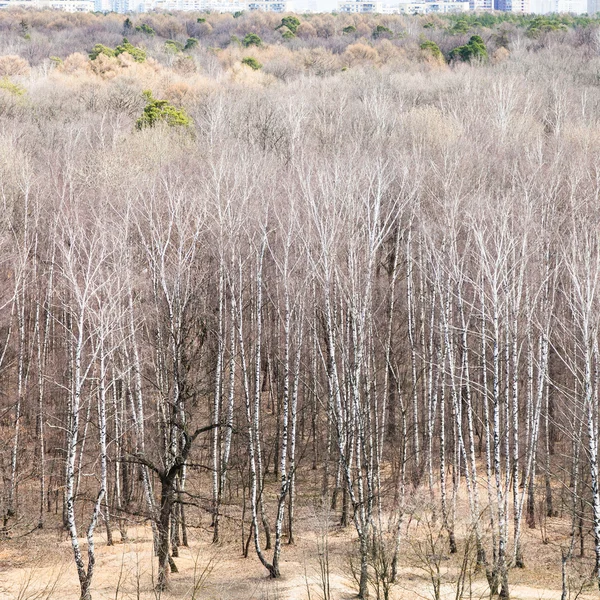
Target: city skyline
(316, 6)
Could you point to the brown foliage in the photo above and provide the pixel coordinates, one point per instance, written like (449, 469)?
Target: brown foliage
(75, 62)
(12, 64)
(360, 53)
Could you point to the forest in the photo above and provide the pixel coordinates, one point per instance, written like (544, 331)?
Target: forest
(301, 306)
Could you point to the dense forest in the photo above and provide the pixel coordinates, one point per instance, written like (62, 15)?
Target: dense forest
(255, 267)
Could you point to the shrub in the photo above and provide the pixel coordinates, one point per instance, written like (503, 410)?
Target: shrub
(237, 14)
(306, 30)
(474, 49)
(500, 55)
(544, 24)
(184, 64)
(321, 62)
(382, 31)
(390, 53)
(143, 28)
(160, 111)
(251, 39)
(173, 46)
(125, 60)
(431, 48)
(363, 30)
(252, 63)
(360, 53)
(24, 33)
(204, 29)
(75, 62)
(138, 54)
(106, 67)
(292, 23)
(460, 27)
(190, 43)
(10, 87)
(99, 49)
(348, 30)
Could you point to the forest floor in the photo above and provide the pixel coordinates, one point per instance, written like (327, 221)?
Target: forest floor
(40, 565)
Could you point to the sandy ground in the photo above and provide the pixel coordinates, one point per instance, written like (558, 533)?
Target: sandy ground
(40, 566)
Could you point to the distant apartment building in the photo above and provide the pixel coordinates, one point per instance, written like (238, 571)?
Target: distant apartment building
(575, 7)
(227, 6)
(270, 6)
(521, 6)
(359, 6)
(424, 8)
(222, 6)
(126, 6)
(542, 7)
(9, 3)
(66, 5)
(481, 4)
(196, 5)
(344, 6)
(503, 5)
